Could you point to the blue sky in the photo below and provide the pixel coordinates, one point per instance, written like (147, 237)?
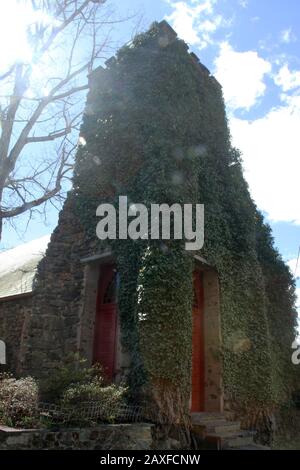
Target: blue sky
(252, 47)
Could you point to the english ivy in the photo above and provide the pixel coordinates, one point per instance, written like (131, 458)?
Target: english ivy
(156, 131)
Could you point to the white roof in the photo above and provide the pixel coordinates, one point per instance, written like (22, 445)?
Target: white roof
(18, 266)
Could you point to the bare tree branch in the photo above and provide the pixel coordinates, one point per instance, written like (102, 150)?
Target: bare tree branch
(26, 206)
(41, 102)
(46, 138)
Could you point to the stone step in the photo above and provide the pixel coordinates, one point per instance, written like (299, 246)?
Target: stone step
(206, 418)
(210, 422)
(252, 447)
(227, 428)
(208, 415)
(239, 442)
(233, 440)
(218, 427)
(221, 433)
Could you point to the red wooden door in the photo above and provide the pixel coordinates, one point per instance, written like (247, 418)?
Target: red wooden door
(198, 364)
(106, 322)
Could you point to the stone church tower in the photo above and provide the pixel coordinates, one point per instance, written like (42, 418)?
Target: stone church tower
(190, 329)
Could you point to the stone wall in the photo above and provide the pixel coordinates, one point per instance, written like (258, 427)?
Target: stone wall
(102, 437)
(63, 311)
(55, 320)
(14, 315)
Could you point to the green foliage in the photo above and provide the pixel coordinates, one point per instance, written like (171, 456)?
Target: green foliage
(72, 371)
(156, 131)
(74, 393)
(109, 400)
(75, 388)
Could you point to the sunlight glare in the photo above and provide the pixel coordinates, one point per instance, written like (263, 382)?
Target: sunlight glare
(16, 19)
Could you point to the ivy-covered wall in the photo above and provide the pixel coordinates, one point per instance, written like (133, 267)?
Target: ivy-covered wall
(156, 131)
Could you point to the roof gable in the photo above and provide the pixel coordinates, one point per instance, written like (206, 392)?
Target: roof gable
(18, 267)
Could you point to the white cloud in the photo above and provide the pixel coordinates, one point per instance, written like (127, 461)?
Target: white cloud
(298, 300)
(271, 144)
(286, 79)
(243, 3)
(287, 36)
(271, 154)
(195, 21)
(298, 308)
(293, 101)
(292, 263)
(241, 75)
(210, 26)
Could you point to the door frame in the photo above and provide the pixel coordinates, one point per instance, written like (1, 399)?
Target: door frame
(198, 348)
(213, 358)
(214, 394)
(105, 278)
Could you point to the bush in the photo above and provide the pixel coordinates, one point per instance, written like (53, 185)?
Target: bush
(18, 401)
(75, 394)
(80, 394)
(73, 371)
(94, 399)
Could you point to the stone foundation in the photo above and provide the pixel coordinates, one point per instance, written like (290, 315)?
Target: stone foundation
(102, 437)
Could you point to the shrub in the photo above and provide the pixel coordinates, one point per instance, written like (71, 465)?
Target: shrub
(18, 401)
(102, 403)
(80, 394)
(76, 394)
(72, 371)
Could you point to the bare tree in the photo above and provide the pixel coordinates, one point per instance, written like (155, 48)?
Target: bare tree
(42, 99)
